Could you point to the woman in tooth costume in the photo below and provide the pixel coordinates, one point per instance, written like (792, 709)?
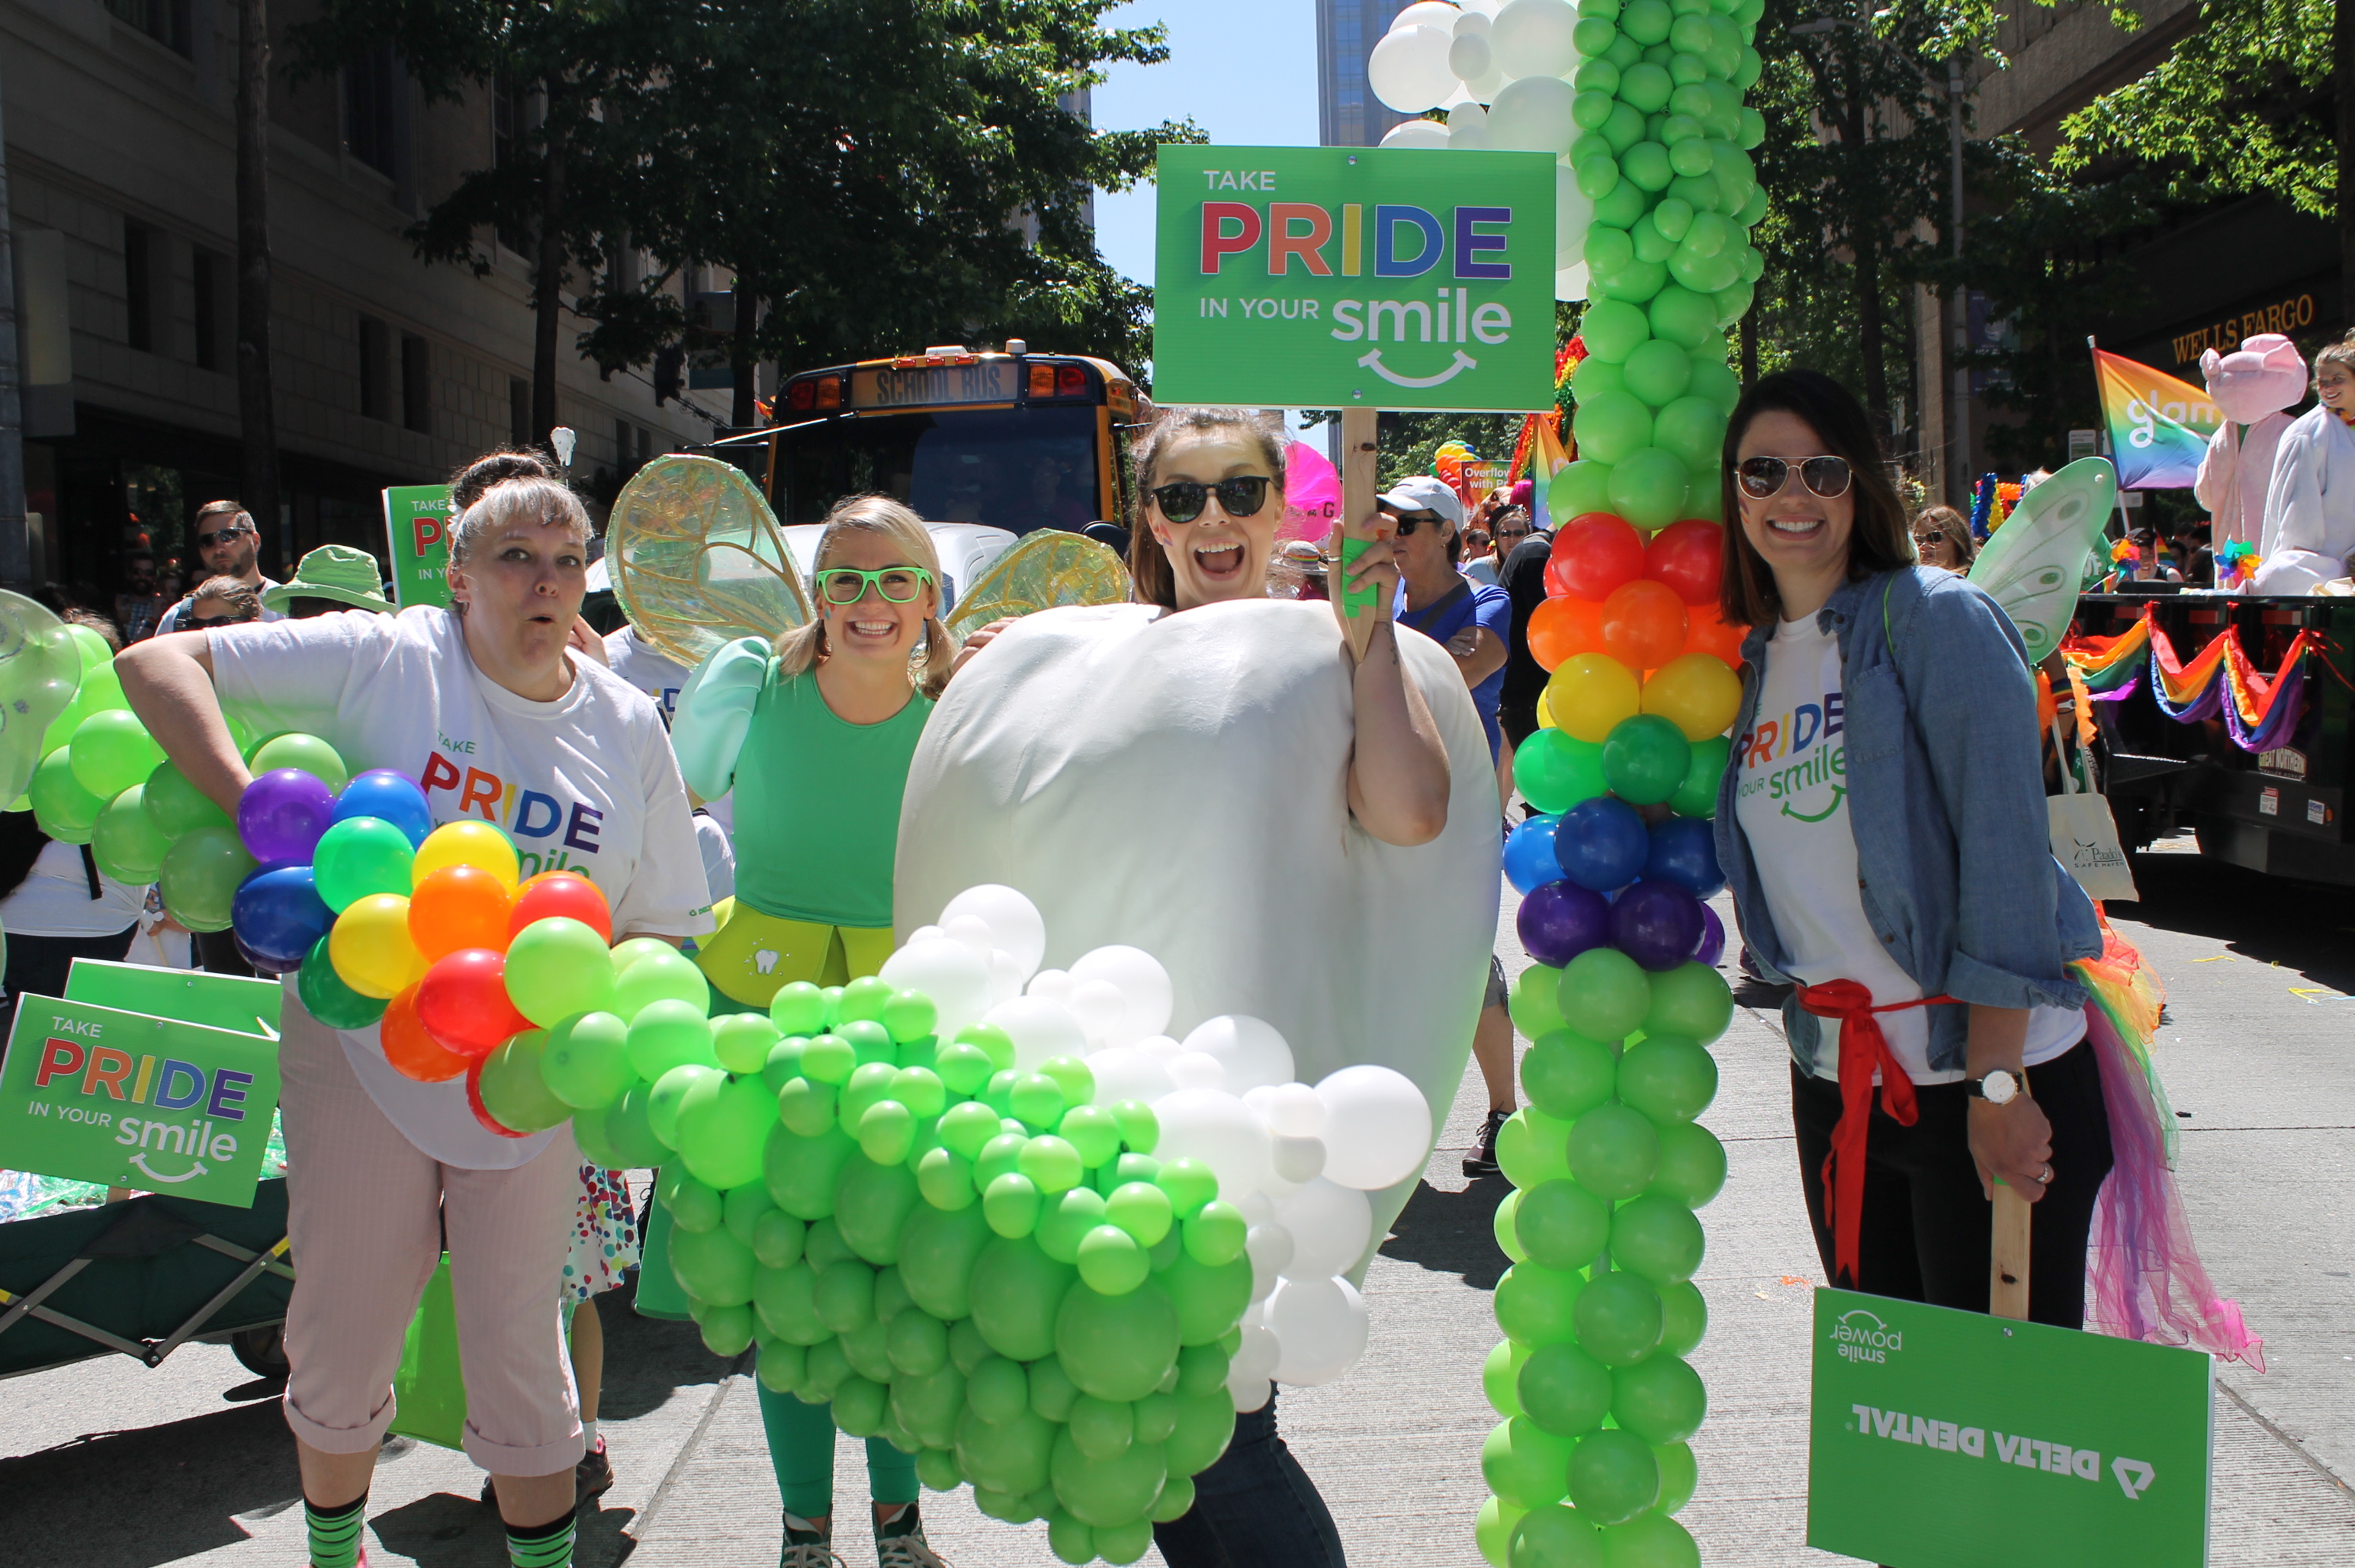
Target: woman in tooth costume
(1209, 775)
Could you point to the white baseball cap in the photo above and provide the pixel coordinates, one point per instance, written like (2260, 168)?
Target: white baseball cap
(1424, 493)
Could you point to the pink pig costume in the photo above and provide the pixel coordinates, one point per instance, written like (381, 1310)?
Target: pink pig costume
(2252, 387)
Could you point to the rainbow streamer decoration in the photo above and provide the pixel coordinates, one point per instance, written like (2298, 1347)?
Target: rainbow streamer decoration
(2158, 426)
(2259, 711)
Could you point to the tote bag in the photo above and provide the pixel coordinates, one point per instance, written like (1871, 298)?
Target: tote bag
(2085, 836)
(429, 1391)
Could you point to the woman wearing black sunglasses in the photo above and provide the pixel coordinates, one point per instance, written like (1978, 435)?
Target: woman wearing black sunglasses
(1882, 826)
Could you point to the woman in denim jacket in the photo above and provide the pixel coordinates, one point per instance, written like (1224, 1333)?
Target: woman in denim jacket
(1882, 823)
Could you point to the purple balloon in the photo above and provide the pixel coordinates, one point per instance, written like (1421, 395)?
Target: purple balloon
(1562, 919)
(282, 814)
(1713, 938)
(1656, 924)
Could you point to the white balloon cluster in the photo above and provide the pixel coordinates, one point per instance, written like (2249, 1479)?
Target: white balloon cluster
(1297, 1160)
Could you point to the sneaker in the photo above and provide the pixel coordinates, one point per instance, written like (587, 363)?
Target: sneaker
(808, 1545)
(1482, 1160)
(901, 1544)
(593, 1476)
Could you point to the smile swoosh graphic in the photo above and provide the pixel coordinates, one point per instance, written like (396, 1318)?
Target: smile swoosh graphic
(140, 1159)
(1372, 361)
(1839, 793)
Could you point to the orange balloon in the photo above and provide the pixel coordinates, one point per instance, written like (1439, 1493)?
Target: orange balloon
(1563, 628)
(1697, 693)
(412, 1051)
(1643, 624)
(1706, 631)
(458, 907)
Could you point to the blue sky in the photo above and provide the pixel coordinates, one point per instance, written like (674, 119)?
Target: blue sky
(1244, 70)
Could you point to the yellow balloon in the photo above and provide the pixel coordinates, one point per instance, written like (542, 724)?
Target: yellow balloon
(371, 949)
(1697, 693)
(1545, 710)
(476, 844)
(1591, 694)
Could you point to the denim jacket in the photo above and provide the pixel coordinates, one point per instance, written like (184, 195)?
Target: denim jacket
(1945, 792)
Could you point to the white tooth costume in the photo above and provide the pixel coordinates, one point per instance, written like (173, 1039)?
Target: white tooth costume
(1177, 783)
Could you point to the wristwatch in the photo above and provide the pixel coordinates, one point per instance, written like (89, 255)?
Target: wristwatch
(1999, 1087)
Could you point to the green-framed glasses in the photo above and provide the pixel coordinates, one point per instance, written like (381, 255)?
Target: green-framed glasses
(847, 584)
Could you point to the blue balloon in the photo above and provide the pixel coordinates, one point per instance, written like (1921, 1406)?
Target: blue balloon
(1600, 844)
(278, 914)
(1529, 855)
(1684, 850)
(381, 792)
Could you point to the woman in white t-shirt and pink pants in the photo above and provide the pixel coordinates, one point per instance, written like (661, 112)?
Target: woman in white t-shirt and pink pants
(1883, 828)
(483, 705)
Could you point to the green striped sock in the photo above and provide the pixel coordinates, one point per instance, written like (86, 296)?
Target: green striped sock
(543, 1546)
(335, 1533)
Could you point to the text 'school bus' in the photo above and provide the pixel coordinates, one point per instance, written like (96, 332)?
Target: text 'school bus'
(1014, 440)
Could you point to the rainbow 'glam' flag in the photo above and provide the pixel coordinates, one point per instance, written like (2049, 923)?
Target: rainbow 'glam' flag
(2158, 426)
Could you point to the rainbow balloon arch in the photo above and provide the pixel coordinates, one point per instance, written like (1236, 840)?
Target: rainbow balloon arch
(2261, 712)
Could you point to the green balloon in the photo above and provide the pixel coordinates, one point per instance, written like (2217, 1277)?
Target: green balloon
(1650, 1541)
(798, 1009)
(824, 1246)
(1645, 758)
(823, 1368)
(1634, 283)
(1648, 243)
(1561, 1225)
(1714, 379)
(199, 877)
(1620, 206)
(1189, 1183)
(1532, 1148)
(1556, 771)
(802, 1172)
(1614, 1476)
(1012, 1206)
(1093, 1132)
(859, 1406)
(123, 841)
(308, 753)
(664, 1034)
(1500, 1376)
(585, 1063)
(713, 1266)
(1535, 998)
(886, 1133)
(723, 1138)
(112, 750)
(1612, 329)
(512, 1090)
(1691, 430)
(1667, 1078)
(1567, 1074)
(867, 1348)
(1116, 1347)
(1658, 372)
(1101, 1427)
(1211, 1298)
(1065, 1220)
(666, 974)
(1008, 1455)
(1697, 795)
(1111, 1261)
(1618, 1320)
(1526, 1464)
(1682, 316)
(1555, 1536)
(1205, 1425)
(871, 1204)
(1705, 276)
(945, 1179)
(1606, 250)
(1660, 1398)
(1052, 1392)
(62, 808)
(629, 1131)
(963, 1068)
(1584, 486)
(325, 997)
(672, 1093)
(1657, 1237)
(1648, 488)
(807, 1108)
(968, 1126)
(786, 1299)
(926, 1404)
(869, 1042)
(938, 1251)
(998, 1390)
(1016, 1293)
(1504, 1226)
(1107, 1490)
(365, 855)
(1606, 991)
(1142, 1209)
(1613, 1151)
(727, 1330)
(1050, 1161)
(844, 1295)
(1216, 1234)
(782, 1367)
(1613, 425)
(1201, 1368)
(967, 1349)
(1537, 1305)
(1564, 1390)
(1692, 1000)
(694, 1205)
(1679, 1477)
(1069, 1537)
(775, 1236)
(1038, 1102)
(558, 967)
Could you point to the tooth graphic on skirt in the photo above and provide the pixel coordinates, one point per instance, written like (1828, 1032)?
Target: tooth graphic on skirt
(765, 960)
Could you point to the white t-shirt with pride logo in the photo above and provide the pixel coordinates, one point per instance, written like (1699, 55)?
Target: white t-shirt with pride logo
(1791, 805)
(586, 784)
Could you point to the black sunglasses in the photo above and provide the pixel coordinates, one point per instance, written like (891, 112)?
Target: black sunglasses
(1826, 478)
(1933, 537)
(1183, 501)
(1409, 521)
(1513, 533)
(207, 541)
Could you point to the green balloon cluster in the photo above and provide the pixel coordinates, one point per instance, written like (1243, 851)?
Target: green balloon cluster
(1599, 1311)
(1663, 153)
(981, 1265)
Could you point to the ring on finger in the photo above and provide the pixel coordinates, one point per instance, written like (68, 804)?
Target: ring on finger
(2044, 1178)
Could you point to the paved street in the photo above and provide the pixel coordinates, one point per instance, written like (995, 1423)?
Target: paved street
(105, 1464)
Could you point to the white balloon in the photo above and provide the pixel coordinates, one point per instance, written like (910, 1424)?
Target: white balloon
(1006, 974)
(952, 975)
(971, 930)
(1573, 212)
(1570, 282)
(1055, 984)
(922, 933)
(1488, 8)
(1249, 1394)
(1532, 115)
(1407, 68)
(1196, 1070)
(1377, 1129)
(1271, 1246)
(1533, 38)
(1101, 1010)
(1140, 979)
(1014, 920)
(1161, 1047)
(1218, 1130)
(1484, 91)
(1039, 1030)
(1416, 134)
(1426, 13)
(1330, 1225)
(1468, 57)
(1293, 1110)
(1322, 1324)
(1250, 1049)
(1258, 1207)
(1124, 1074)
(1470, 22)
(1295, 1161)
(1260, 1350)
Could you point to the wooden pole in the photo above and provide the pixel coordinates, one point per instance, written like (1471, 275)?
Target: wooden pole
(2008, 1265)
(1358, 526)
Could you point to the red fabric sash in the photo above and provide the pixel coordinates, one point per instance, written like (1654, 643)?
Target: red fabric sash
(1863, 1050)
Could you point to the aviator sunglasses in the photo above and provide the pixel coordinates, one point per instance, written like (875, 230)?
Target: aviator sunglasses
(847, 584)
(207, 541)
(1826, 478)
(1183, 501)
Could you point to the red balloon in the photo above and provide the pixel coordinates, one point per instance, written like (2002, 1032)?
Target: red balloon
(554, 893)
(411, 1048)
(1689, 557)
(481, 1112)
(1643, 625)
(463, 1000)
(1594, 554)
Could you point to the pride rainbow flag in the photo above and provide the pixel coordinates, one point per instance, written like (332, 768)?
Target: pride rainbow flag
(2158, 426)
